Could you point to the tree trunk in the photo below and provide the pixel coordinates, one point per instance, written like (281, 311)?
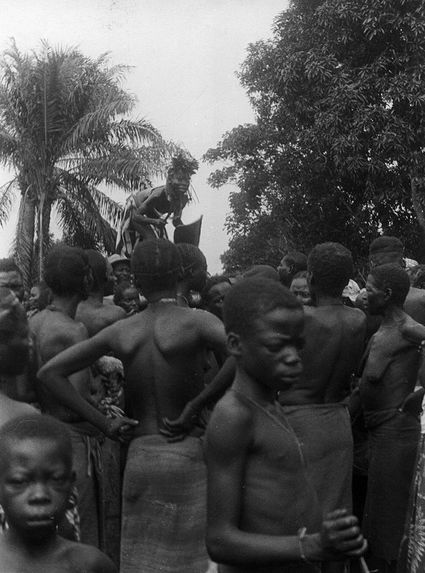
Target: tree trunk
(24, 247)
(417, 202)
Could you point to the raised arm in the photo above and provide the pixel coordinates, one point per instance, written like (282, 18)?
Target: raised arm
(55, 376)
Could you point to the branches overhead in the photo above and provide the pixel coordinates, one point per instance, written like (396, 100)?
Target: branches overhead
(338, 93)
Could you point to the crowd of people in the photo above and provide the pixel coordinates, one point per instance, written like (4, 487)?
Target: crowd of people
(156, 419)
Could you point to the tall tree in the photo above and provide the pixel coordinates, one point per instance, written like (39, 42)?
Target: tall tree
(64, 130)
(337, 148)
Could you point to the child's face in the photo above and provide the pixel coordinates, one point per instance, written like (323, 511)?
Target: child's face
(299, 287)
(130, 300)
(35, 484)
(270, 352)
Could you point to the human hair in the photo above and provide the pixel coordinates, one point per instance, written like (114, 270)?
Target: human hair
(392, 276)
(251, 298)
(120, 290)
(264, 271)
(296, 260)
(38, 427)
(191, 258)
(156, 265)
(211, 282)
(331, 267)
(386, 244)
(9, 266)
(66, 270)
(97, 263)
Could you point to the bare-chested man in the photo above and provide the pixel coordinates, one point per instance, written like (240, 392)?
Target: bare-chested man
(391, 410)
(334, 339)
(387, 249)
(163, 354)
(68, 275)
(93, 312)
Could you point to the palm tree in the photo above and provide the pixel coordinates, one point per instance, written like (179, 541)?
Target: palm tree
(64, 132)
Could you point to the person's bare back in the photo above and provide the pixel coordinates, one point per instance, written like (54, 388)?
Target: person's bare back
(55, 331)
(96, 315)
(334, 341)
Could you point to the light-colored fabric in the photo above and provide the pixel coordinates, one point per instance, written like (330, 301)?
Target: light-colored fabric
(164, 507)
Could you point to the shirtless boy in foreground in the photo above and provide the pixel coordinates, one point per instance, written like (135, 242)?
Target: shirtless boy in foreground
(263, 513)
(35, 482)
(162, 350)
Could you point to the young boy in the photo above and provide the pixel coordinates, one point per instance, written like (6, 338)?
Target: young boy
(263, 513)
(35, 481)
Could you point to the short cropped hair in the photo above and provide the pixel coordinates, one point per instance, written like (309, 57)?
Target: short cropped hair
(97, 263)
(265, 271)
(38, 427)
(9, 266)
(296, 260)
(386, 244)
(249, 299)
(191, 258)
(331, 266)
(211, 282)
(65, 270)
(156, 265)
(392, 276)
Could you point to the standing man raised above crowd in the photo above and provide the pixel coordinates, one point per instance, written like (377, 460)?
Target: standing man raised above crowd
(162, 349)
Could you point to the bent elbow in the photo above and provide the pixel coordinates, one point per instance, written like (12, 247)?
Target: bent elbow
(218, 549)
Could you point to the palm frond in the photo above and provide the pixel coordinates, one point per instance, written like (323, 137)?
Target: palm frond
(7, 194)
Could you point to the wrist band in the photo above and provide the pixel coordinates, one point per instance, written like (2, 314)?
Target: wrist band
(301, 535)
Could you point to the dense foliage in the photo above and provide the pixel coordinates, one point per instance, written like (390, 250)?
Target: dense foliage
(336, 152)
(64, 131)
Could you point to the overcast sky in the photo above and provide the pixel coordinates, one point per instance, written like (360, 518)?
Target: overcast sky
(184, 55)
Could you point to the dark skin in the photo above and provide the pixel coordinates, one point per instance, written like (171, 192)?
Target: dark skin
(399, 332)
(13, 360)
(35, 482)
(70, 400)
(95, 315)
(268, 360)
(414, 304)
(340, 332)
(162, 348)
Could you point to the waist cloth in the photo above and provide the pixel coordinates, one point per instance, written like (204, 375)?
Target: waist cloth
(88, 466)
(392, 446)
(164, 507)
(324, 432)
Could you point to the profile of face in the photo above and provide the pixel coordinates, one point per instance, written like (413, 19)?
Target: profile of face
(215, 298)
(122, 272)
(35, 483)
(270, 351)
(13, 281)
(130, 301)
(14, 340)
(377, 297)
(299, 287)
(285, 272)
